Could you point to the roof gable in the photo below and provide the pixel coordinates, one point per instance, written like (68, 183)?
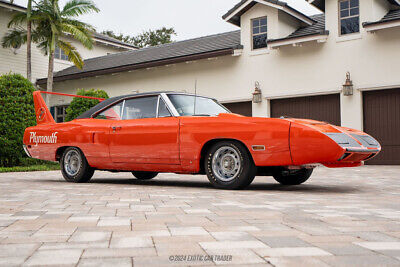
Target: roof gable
(234, 14)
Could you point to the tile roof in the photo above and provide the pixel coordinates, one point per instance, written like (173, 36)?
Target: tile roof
(316, 28)
(173, 51)
(392, 15)
(112, 40)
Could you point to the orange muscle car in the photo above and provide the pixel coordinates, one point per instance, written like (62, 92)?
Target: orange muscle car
(181, 133)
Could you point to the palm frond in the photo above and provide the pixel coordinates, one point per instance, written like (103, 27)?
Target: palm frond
(79, 34)
(80, 24)
(14, 38)
(71, 52)
(74, 8)
(17, 19)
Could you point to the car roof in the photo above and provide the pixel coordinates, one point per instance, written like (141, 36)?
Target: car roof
(109, 101)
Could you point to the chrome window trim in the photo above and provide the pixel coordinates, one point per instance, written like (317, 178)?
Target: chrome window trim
(158, 105)
(122, 112)
(164, 97)
(176, 114)
(169, 104)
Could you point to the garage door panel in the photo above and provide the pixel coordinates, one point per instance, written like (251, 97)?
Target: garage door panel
(382, 120)
(322, 108)
(242, 108)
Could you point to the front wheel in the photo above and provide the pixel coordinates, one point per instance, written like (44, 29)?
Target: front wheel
(74, 166)
(295, 177)
(144, 175)
(229, 165)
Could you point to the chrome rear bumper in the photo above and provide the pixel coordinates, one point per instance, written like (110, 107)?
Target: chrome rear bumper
(26, 151)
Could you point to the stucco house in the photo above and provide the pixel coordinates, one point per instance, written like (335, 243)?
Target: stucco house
(14, 60)
(300, 63)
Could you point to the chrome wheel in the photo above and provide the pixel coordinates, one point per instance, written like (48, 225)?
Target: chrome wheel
(226, 163)
(72, 162)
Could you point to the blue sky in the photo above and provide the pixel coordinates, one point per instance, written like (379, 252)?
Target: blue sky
(190, 18)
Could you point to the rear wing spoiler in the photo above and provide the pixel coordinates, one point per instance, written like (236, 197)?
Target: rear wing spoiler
(43, 115)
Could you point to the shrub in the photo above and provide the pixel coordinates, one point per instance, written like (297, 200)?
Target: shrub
(80, 105)
(16, 113)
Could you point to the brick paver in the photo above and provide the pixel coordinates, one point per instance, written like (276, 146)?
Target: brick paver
(339, 217)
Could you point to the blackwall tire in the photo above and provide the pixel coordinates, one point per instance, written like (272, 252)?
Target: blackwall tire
(295, 178)
(229, 165)
(74, 166)
(144, 175)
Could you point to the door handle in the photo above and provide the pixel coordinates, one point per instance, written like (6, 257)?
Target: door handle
(115, 128)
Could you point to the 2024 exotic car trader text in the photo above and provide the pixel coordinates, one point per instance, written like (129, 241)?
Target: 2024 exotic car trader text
(181, 133)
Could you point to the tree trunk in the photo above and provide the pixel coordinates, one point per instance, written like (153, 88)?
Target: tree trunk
(50, 76)
(29, 52)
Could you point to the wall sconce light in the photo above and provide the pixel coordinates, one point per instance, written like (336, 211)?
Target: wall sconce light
(257, 95)
(348, 86)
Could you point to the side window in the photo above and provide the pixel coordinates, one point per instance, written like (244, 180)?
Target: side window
(140, 108)
(259, 32)
(112, 113)
(349, 16)
(59, 54)
(163, 110)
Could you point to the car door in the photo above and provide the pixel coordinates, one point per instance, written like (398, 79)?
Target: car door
(146, 133)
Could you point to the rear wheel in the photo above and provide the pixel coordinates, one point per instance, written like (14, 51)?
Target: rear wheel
(229, 165)
(294, 177)
(144, 175)
(74, 166)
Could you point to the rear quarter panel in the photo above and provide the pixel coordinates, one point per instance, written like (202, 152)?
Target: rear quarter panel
(90, 135)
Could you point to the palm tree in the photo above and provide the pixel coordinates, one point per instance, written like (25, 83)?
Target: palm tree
(51, 24)
(29, 41)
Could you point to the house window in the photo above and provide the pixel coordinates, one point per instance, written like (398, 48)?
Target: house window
(60, 113)
(259, 32)
(59, 54)
(349, 16)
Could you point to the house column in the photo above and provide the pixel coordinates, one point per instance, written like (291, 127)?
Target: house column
(261, 109)
(351, 110)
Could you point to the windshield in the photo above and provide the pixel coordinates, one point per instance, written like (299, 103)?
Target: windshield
(185, 105)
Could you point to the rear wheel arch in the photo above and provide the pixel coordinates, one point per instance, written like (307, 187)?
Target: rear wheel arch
(60, 152)
(206, 147)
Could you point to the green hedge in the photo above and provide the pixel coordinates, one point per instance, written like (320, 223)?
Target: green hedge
(16, 113)
(80, 105)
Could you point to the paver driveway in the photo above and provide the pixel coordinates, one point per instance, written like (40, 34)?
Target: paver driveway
(339, 217)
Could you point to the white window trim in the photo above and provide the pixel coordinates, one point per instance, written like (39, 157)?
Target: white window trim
(260, 51)
(348, 37)
(340, 20)
(252, 34)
